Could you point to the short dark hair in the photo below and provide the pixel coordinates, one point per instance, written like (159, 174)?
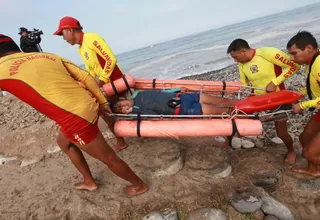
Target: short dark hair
(7, 45)
(238, 44)
(302, 39)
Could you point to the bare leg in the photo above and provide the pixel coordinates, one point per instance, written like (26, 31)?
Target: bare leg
(214, 110)
(312, 152)
(100, 150)
(78, 160)
(282, 132)
(212, 100)
(311, 129)
(309, 132)
(121, 144)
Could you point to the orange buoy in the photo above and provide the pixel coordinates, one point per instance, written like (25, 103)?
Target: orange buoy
(268, 101)
(187, 128)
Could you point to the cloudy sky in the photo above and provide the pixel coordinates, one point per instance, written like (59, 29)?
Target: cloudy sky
(127, 25)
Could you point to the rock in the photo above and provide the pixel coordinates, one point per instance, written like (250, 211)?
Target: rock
(4, 159)
(154, 216)
(207, 214)
(277, 140)
(108, 134)
(220, 140)
(236, 143)
(170, 169)
(171, 215)
(271, 206)
(247, 204)
(223, 170)
(32, 160)
(247, 144)
(53, 150)
(270, 217)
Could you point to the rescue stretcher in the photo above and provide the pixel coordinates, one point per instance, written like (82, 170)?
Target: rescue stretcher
(246, 119)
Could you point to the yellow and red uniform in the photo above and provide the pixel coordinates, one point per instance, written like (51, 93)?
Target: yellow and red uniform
(48, 83)
(98, 58)
(314, 86)
(266, 66)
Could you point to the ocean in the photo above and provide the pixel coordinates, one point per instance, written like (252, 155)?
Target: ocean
(207, 51)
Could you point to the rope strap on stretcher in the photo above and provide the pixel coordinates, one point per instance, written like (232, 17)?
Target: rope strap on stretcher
(154, 83)
(125, 82)
(234, 130)
(138, 124)
(114, 88)
(224, 87)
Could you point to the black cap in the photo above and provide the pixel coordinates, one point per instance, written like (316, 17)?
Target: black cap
(8, 45)
(22, 29)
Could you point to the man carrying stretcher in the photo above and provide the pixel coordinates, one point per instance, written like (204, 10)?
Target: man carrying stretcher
(262, 68)
(48, 83)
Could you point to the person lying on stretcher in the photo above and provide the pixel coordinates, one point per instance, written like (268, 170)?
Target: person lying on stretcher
(174, 102)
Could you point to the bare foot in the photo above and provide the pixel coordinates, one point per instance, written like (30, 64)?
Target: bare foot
(85, 186)
(291, 158)
(307, 171)
(136, 190)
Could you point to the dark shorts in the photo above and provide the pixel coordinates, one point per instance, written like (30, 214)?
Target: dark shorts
(189, 104)
(316, 116)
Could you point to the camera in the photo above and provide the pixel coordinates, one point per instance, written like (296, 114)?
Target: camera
(35, 32)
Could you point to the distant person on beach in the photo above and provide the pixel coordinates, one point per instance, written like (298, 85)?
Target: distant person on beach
(98, 58)
(49, 83)
(303, 48)
(262, 68)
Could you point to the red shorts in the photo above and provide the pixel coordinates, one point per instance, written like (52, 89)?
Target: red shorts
(80, 131)
(316, 116)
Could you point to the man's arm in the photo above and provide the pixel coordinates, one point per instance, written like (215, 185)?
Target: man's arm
(280, 58)
(81, 75)
(26, 41)
(103, 50)
(314, 102)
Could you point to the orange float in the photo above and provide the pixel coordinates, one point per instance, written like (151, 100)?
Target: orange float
(213, 87)
(187, 128)
(267, 101)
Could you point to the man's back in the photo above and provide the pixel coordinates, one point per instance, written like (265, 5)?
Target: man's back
(43, 81)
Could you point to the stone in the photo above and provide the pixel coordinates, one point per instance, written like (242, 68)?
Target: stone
(270, 217)
(32, 160)
(220, 140)
(154, 216)
(247, 144)
(207, 214)
(170, 169)
(236, 143)
(247, 204)
(270, 206)
(277, 140)
(171, 215)
(4, 159)
(222, 170)
(53, 150)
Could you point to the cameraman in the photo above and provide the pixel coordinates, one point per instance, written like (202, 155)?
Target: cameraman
(29, 42)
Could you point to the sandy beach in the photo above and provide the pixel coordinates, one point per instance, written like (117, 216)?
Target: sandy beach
(184, 175)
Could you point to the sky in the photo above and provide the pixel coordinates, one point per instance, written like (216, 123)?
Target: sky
(128, 25)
